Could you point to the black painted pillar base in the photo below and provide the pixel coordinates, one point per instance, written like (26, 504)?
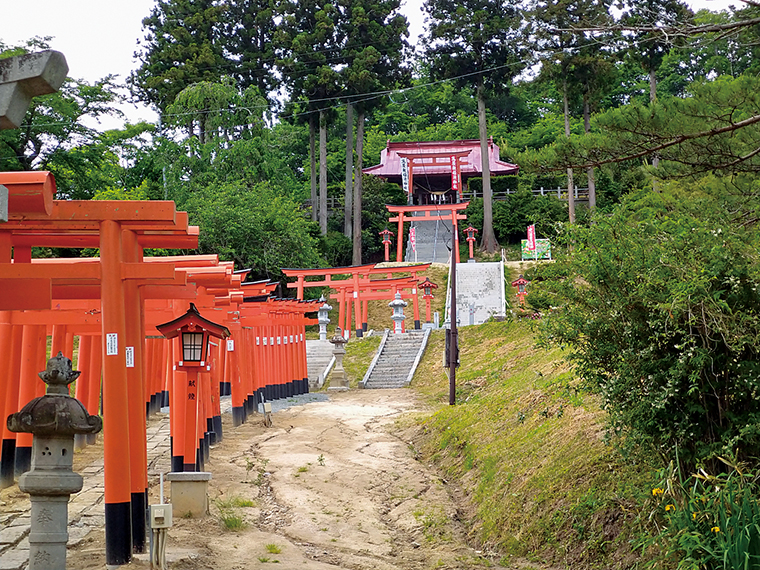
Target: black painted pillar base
(176, 459)
(139, 506)
(359, 333)
(238, 416)
(216, 422)
(7, 463)
(250, 404)
(23, 460)
(206, 441)
(165, 399)
(189, 467)
(210, 433)
(118, 533)
(417, 325)
(365, 327)
(306, 385)
(225, 389)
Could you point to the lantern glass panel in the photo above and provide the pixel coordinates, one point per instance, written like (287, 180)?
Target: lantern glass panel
(192, 347)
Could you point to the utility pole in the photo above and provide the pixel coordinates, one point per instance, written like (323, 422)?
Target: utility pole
(453, 344)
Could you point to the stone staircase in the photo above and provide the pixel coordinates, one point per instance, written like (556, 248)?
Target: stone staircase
(480, 292)
(433, 241)
(396, 360)
(319, 360)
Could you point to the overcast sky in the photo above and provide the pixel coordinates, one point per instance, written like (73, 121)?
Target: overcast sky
(99, 37)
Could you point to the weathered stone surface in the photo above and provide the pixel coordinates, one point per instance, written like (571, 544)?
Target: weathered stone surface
(12, 534)
(14, 560)
(25, 76)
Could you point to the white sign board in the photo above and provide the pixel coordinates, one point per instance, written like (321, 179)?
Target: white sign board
(112, 344)
(129, 353)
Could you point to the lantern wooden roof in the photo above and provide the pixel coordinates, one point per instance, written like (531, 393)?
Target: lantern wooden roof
(192, 319)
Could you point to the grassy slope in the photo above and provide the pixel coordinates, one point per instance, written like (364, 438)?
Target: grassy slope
(527, 447)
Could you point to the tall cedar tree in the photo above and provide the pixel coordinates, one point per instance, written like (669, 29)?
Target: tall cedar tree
(250, 27)
(182, 46)
(309, 38)
(567, 57)
(478, 43)
(374, 51)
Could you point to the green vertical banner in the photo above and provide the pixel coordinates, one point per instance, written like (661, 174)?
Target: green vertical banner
(543, 250)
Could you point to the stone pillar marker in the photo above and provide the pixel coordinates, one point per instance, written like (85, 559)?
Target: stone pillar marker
(21, 78)
(339, 379)
(54, 419)
(25, 76)
(323, 319)
(398, 317)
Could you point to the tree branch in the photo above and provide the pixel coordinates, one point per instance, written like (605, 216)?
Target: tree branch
(676, 141)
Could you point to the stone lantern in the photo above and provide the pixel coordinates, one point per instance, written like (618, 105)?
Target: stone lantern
(323, 319)
(386, 233)
(339, 379)
(53, 419)
(470, 231)
(398, 317)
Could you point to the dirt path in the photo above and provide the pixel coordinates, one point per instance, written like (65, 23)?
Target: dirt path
(334, 484)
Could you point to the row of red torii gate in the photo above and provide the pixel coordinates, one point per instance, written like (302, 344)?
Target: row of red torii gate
(181, 331)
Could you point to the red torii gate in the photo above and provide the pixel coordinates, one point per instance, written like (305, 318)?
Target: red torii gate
(375, 290)
(429, 213)
(360, 277)
(116, 228)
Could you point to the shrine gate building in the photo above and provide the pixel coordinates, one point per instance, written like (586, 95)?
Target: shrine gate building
(430, 171)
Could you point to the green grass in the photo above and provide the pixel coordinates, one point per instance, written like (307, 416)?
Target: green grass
(528, 444)
(359, 355)
(273, 548)
(229, 512)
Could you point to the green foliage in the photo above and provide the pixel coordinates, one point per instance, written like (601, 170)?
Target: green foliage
(659, 308)
(706, 521)
(514, 214)
(181, 47)
(253, 226)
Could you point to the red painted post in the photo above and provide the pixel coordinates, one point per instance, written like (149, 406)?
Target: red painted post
(8, 457)
(33, 351)
(95, 377)
(115, 393)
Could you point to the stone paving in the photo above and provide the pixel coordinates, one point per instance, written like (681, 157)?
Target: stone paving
(86, 510)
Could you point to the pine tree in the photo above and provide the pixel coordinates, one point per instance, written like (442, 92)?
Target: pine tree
(477, 43)
(374, 34)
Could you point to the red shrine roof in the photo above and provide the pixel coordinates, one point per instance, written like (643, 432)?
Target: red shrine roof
(390, 158)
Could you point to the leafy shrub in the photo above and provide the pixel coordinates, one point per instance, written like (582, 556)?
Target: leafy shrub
(660, 313)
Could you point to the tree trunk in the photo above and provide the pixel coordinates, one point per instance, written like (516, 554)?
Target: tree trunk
(590, 169)
(347, 227)
(322, 173)
(357, 254)
(652, 99)
(313, 166)
(488, 243)
(570, 185)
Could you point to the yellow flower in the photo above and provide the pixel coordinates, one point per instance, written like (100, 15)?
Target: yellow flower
(657, 492)
(670, 507)
(715, 529)
(694, 516)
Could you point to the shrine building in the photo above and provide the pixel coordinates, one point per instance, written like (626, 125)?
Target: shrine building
(433, 172)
